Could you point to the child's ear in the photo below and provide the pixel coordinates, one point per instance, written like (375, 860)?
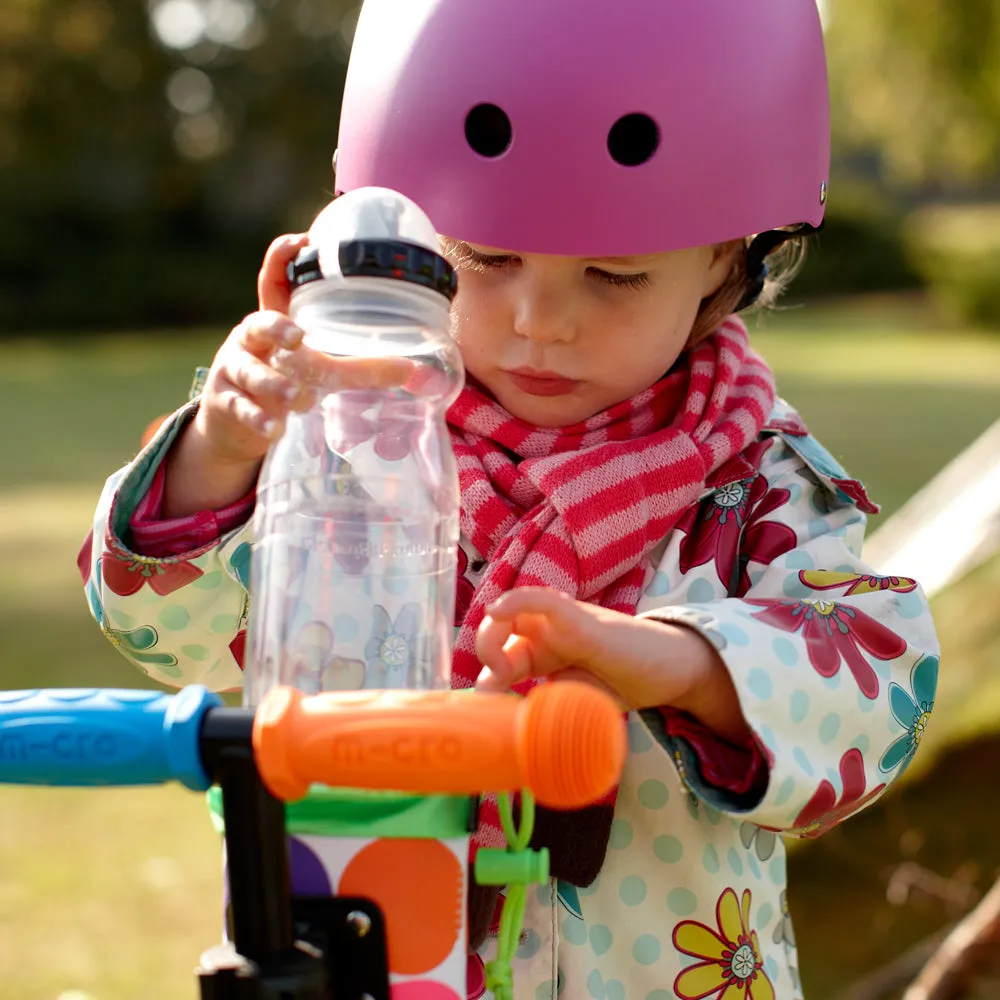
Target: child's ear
(724, 259)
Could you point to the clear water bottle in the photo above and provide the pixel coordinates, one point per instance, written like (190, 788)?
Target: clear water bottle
(356, 523)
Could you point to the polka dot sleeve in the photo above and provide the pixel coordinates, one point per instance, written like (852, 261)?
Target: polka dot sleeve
(835, 667)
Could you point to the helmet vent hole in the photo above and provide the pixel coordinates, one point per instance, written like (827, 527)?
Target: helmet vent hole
(488, 130)
(633, 140)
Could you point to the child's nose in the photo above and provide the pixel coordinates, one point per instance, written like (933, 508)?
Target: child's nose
(544, 316)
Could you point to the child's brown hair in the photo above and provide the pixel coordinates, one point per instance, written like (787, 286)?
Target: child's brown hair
(783, 264)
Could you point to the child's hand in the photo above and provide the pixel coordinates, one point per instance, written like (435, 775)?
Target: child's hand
(260, 374)
(538, 631)
(263, 371)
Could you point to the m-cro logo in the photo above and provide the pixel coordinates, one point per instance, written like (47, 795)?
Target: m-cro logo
(13, 746)
(64, 744)
(423, 749)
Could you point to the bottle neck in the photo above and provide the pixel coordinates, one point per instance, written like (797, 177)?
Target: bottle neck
(370, 316)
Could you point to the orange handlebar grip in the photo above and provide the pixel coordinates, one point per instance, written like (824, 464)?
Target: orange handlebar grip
(565, 741)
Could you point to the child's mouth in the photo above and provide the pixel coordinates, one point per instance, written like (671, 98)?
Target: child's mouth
(542, 383)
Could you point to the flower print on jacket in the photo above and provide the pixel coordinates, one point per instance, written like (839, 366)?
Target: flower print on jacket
(784, 931)
(731, 966)
(730, 528)
(126, 574)
(763, 540)
(825, 810)
(137, 644)
(761, 839)
(911, 709)
(835, 634)
(238, 647)
(854, 583)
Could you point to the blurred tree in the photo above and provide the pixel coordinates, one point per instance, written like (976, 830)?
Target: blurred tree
(148, 151)
(919, 80)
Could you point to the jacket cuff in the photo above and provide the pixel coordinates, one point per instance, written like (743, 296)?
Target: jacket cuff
(158, 538)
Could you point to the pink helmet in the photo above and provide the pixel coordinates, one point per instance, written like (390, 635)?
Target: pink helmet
(591, 129)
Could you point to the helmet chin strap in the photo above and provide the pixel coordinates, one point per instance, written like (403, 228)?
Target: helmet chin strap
(761, 246)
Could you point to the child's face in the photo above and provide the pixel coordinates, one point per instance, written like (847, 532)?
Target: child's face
(559, 339)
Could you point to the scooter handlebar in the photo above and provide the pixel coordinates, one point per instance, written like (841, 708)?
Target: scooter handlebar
(103, 737)
(565, 741)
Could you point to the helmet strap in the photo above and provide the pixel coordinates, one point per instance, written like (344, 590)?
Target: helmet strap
(762, 245)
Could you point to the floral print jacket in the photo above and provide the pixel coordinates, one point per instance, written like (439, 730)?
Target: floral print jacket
(835, 668)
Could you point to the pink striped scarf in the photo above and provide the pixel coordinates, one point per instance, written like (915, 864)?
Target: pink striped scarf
(579, 508)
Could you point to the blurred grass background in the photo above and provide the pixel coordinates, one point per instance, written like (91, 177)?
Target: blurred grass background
(113, 894)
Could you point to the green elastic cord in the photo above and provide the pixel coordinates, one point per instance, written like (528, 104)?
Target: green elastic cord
(499, 977)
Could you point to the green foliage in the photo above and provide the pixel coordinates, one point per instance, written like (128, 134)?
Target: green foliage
(957, 251)
(150, 150)
(859, 249)
(140, 184)
(918, 80)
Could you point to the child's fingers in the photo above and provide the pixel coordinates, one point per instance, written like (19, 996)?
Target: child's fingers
(273, 291)
(328, 373)
(269, 389)
(521, 660)
(515, 663)
(540, 600)
(514, 649)
(369, 373)
(567, 634)
(258, 427)
(262, 333)
(498, 673)
(551, 617)
(496, 681)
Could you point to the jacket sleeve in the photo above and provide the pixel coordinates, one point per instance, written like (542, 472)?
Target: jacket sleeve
(180, 619)
(835, 668)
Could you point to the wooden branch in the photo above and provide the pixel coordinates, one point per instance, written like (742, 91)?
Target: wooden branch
(957, 892)
(965, 951)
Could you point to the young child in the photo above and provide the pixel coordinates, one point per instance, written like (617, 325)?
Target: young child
(638, 507)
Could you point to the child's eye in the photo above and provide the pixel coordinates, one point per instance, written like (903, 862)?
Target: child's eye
(485, 261)
(476, 260)
(639, 280)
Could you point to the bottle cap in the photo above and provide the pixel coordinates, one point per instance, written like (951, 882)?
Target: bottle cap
(373, 233)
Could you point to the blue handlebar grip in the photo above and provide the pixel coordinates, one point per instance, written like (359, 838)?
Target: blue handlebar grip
(69, 736)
